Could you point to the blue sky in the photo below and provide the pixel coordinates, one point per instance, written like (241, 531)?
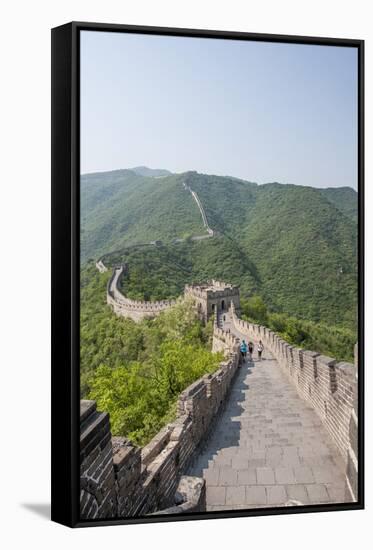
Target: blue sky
(258, 111)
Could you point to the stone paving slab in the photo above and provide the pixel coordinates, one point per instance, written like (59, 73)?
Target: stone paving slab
(269, 446)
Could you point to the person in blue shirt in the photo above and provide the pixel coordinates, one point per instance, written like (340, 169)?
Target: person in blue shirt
(243, 349)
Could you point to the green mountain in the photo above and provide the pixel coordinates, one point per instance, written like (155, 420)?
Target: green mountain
(344, 198)
(150, 172)
(120, 208)
(295, 246)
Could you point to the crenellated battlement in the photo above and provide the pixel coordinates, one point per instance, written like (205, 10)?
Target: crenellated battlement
(328, 385)
(222, 340)
(209, 298)
(213, 297)
(126, 307)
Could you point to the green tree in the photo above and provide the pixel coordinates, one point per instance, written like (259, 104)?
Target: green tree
(136, 371)
(255, 309)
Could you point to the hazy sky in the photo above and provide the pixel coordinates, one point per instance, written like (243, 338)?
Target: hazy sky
(259, 111)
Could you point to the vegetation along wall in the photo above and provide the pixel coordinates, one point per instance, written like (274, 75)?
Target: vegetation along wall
(119, 479)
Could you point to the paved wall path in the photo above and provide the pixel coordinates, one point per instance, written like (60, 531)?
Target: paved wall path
(203, 214)
(269, 448)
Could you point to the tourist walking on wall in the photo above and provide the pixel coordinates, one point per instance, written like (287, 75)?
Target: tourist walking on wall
(250, 347)
(260, 350)
(243, 349)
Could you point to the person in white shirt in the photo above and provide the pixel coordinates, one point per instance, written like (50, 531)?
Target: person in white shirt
(260, 350)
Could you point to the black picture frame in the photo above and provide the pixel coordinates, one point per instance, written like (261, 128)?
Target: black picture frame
(66, 264)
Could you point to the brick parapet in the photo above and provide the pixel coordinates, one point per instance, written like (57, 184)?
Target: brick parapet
(139, 309)
(351, 487)
(328, 385)
(97, 479)
(190, 497)
(126, 307)
(222, 340)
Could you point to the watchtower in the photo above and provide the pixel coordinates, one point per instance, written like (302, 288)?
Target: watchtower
(213, 297)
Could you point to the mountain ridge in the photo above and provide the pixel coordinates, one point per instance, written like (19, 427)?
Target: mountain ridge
(154, 172)
(299, 241)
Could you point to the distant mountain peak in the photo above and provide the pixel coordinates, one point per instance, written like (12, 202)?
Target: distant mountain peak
(150, 172)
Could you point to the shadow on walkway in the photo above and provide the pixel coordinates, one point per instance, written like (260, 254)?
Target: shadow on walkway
(225, 432)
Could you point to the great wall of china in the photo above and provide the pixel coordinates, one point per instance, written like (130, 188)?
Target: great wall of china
(134, 309)
(330, 387)
(282, 432)
(121, 480)
(201, 209)
(210, 232)
(209, 297)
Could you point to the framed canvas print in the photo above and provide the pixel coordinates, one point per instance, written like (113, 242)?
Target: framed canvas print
(207, 277)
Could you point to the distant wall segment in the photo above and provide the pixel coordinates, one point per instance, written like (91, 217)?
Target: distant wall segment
(101, 266)
(133, 309)
(209, 299)
(201, 209)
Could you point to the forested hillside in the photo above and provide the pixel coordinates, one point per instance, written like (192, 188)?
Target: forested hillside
(344, 198)
(294, 246)
(134, 371)
(121, 207)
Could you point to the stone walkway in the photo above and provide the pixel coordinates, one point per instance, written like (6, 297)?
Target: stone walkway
(269, 447)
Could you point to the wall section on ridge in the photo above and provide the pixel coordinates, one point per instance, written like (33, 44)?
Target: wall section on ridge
(133, 309)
